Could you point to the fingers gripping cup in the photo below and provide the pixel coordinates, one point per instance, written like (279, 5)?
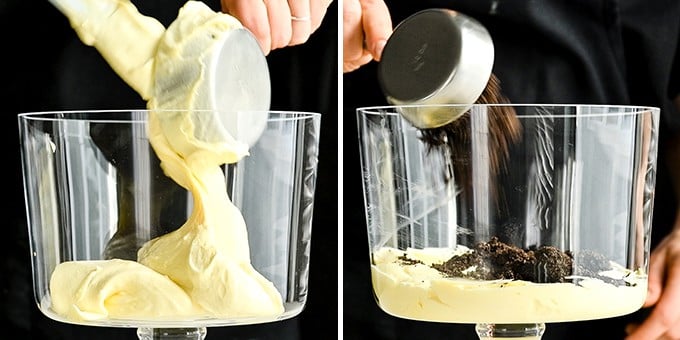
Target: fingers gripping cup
(436, 56)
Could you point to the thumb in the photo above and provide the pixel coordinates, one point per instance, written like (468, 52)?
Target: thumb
(655, 277)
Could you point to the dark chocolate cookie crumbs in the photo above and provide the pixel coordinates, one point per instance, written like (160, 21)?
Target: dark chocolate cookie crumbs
(495, 260)
(552, 265)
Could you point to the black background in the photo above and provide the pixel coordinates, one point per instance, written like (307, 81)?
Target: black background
(46, 67)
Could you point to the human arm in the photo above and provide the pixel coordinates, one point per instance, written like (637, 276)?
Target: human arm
(366, 26)
(278, 24)
(664, 269)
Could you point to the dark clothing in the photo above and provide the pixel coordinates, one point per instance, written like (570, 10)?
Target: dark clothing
(53, 70)
(553, 51)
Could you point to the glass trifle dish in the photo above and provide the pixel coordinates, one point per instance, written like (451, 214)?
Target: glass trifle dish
(512, 216)
(134, 222)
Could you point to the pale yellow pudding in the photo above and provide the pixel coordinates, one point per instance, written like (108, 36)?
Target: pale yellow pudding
(418, 291)
(203, 269)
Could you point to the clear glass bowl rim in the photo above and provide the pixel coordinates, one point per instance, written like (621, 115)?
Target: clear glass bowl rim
(621, 110)
(62, 115)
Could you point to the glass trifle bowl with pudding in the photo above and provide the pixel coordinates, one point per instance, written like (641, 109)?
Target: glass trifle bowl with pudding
(158, 220)
(512, 216)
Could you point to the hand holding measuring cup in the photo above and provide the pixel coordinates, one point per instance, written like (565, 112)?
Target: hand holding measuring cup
(278, 24)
